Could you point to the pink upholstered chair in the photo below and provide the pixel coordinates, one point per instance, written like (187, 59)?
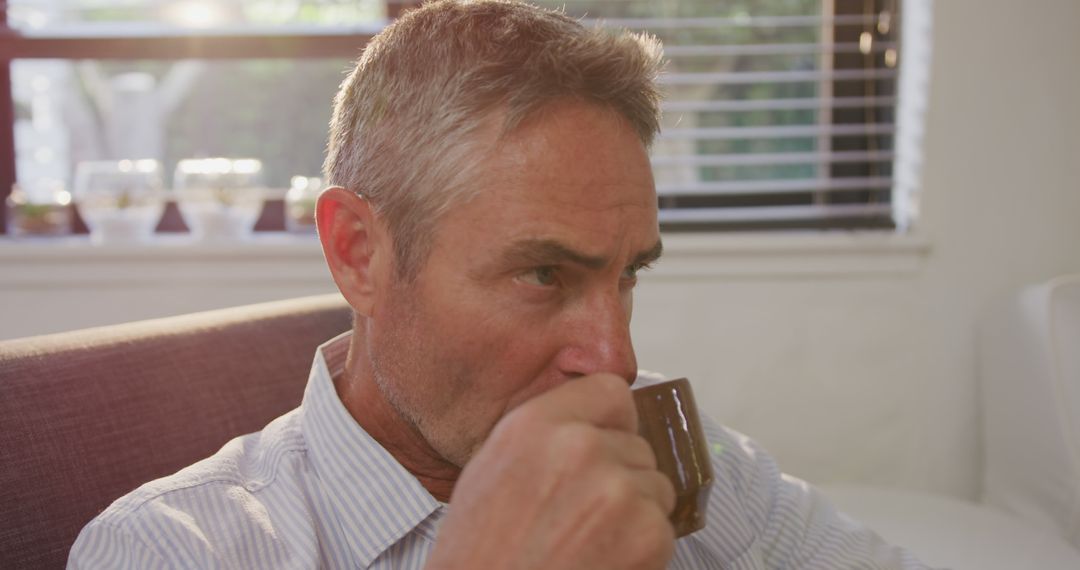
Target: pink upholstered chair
(87, 416)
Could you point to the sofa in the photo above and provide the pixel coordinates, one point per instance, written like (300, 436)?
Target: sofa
(1029, 391)
(87, 416)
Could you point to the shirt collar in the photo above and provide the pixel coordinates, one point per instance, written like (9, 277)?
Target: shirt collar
(376, 500)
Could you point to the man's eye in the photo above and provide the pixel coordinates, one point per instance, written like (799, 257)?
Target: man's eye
(540, 276)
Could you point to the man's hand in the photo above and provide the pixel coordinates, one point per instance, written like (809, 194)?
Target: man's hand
(564, 482)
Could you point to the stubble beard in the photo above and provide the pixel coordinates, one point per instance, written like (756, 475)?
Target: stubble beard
(401, 366)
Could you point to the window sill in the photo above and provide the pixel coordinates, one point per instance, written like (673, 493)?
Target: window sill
(266, 260)
(714, 255)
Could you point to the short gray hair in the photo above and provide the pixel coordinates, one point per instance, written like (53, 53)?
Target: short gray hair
(400, 131)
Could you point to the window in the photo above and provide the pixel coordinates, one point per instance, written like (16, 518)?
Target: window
(111, 79)
(779, 113)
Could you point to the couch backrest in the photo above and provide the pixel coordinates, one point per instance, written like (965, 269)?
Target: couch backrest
(1030, 375)
(87, 416)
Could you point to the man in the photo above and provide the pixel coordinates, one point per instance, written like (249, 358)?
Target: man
(493, 203)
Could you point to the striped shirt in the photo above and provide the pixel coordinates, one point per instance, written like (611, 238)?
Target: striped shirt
(314, 490)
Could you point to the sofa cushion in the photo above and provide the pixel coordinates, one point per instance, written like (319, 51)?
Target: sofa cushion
(946, 532)
(87, 416)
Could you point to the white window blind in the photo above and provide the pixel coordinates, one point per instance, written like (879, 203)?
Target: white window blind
(777, 114)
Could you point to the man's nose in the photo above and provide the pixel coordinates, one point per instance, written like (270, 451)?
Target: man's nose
(599, 340)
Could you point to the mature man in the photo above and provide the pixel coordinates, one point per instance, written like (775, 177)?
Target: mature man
(493, 203)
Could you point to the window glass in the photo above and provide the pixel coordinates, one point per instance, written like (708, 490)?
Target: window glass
(777, 113)
(123, 14)
(274, 110)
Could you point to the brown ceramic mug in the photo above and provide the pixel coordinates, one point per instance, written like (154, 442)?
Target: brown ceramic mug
(668, 420)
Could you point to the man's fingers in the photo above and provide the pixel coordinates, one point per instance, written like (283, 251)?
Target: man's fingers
(629, 449)
(633, 457)
(655, 486)
(602, 400)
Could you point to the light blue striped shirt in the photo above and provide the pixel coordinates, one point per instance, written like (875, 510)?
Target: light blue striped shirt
(314, 490)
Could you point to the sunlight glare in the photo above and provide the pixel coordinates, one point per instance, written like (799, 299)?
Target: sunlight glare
(195, 14)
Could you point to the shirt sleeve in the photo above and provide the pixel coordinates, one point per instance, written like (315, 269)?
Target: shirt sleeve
(766, 519)
(103, 545)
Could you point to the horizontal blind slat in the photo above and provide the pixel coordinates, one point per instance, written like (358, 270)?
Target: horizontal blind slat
(796, 131)
(751, 77)
(731, 22)
(769, 49)
(737, 105)
(771, 158)
(775, 186)
(772, 213)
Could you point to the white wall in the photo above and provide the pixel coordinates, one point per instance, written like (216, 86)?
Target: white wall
(850, 377)
(50, 286)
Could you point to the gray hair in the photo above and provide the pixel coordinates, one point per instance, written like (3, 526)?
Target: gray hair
(400, 131)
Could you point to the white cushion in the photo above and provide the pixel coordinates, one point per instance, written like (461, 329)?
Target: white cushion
(945, 532)
(1030, 381)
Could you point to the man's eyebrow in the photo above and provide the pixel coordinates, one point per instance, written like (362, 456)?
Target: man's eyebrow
(650, 255)
(552, 252)
(549, 252)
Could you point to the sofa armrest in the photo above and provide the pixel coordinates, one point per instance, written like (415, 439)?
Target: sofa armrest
(1030, 382)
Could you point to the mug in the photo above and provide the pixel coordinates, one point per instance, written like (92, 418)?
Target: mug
(668, 420)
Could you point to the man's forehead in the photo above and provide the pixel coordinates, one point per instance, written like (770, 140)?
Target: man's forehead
(575, 177)
(562, 148)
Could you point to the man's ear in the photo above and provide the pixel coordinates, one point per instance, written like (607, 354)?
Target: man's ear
(355, 245)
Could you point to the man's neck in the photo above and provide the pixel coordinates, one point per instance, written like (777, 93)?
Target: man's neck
(356, 387)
